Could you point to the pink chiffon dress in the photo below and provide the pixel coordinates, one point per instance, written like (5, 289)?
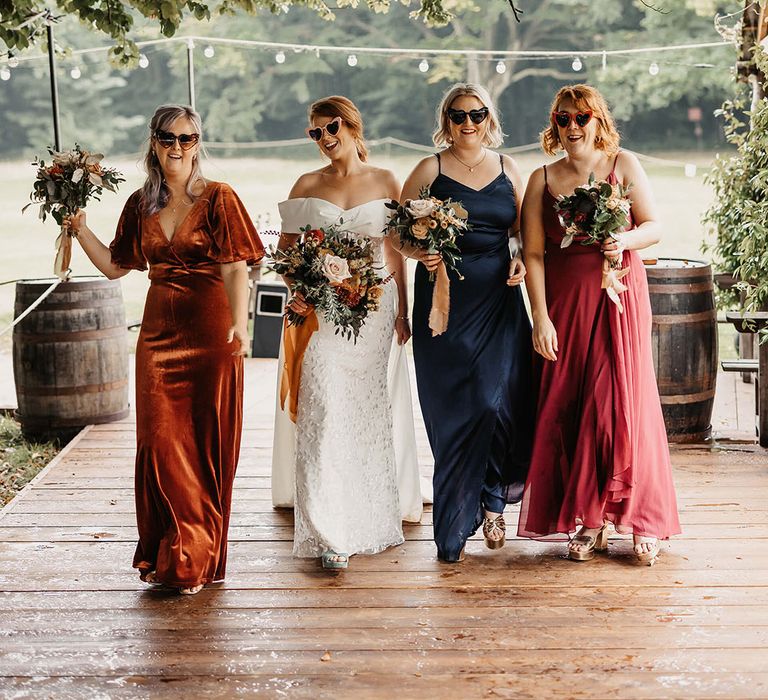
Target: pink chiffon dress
(600, 448)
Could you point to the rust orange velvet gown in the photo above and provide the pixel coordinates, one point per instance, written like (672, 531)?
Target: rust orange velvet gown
(189, 386)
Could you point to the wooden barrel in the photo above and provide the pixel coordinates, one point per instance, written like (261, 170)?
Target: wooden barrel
(684, 345)
(70, 357)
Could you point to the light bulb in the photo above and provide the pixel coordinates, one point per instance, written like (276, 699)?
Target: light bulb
(424, 65)
(75, 73)
(143, 61)
(5, 74)
(280, 57)
(653, 69)
(576, 65)
(12, 61)
(351, 60)
(501, 67)
(209, 51)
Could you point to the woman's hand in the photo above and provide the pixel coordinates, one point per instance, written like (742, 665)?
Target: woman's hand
(516, 272)
(613, 247)
(545, 339)
(430, 260)
(402, 330)
(240, 335)
(300, 305)
(74, 223)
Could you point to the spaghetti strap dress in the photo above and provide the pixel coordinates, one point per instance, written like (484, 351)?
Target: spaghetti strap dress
(474, 380)
(189, 385)
(600, 450)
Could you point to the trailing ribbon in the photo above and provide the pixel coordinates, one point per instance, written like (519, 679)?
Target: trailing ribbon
(63, 255)
(295, 342)
(612, 283)
(441, 292)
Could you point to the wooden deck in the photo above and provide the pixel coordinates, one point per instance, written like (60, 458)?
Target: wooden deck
(523, 622)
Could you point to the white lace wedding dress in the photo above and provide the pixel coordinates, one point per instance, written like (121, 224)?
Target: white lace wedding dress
(348, 465)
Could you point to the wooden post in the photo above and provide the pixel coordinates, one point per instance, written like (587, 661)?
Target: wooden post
(762, 395)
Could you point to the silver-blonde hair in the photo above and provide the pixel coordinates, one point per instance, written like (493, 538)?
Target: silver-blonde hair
(155, 193)
(494, 136)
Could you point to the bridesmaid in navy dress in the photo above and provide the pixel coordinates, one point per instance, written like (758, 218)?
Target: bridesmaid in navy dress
(474, 380)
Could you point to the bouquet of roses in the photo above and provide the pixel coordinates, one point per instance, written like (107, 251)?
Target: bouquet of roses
(335, 273)
(71, 180)
(430, 224)
(595, 213)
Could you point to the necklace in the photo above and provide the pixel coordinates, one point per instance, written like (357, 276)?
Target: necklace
(469, 167)
(186, 204)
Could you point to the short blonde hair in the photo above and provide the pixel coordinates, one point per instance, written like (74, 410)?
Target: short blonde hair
(343, 107)
(584, 97)
(493, 134)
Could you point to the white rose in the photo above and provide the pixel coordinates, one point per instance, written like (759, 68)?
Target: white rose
(419, 208)
(335, 269)
(77, 175)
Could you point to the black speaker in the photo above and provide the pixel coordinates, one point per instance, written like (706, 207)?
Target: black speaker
(270, 299)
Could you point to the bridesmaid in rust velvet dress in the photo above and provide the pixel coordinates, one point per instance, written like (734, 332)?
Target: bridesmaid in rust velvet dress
(600, 450)
(197, 239)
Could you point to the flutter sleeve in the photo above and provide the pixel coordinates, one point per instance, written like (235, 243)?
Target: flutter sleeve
(233, 234)
(126, 246)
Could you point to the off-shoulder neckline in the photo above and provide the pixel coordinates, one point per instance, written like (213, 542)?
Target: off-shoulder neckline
(333, 204)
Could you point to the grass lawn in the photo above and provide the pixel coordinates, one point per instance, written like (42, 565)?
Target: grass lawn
(20, 461)
(261, 184)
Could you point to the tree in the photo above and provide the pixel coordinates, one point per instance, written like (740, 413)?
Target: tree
(23, 22)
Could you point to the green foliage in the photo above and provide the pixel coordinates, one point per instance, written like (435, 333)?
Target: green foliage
(23, 23)
(243, 95)
(739, 213)
(20, 461)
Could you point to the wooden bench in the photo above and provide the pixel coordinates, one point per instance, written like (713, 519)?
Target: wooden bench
(753, 323)
(740, 365)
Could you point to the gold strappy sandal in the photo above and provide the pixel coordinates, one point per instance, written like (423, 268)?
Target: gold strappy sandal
(647, 558)
(491, 526)
(598, 543)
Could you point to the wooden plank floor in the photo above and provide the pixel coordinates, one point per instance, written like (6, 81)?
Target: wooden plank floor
(523, 622)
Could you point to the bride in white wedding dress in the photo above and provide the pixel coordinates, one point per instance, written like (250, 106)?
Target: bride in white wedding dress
(348, 465)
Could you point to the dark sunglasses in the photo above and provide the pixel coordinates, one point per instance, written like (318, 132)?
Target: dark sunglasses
(166, 139)
(563, 119)
(459, 116)
(332, 127)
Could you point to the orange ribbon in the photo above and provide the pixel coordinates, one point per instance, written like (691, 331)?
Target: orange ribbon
(295, 342)
(441, 292)
(63, 255)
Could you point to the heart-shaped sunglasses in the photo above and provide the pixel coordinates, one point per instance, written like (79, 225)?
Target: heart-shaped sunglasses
(166, 139)
(332, 127)
(563, 119)
(459, 116)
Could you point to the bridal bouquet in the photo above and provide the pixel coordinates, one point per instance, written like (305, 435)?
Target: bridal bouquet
(595, 213)
(432, 225)
(429, 224)
(335, 273)
(71, 180)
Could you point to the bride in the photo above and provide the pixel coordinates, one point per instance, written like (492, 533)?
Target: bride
(348, 466)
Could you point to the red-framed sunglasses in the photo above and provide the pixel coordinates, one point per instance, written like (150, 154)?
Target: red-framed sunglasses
(563, 119)
(332, 127)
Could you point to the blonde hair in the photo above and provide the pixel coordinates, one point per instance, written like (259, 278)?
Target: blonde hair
(154, 192)
(584, 97)
(339, 106)
(493, 133)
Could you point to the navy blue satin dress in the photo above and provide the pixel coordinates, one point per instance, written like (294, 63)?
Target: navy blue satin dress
(474, 380)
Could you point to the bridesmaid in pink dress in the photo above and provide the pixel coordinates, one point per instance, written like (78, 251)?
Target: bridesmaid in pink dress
(600, 452)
